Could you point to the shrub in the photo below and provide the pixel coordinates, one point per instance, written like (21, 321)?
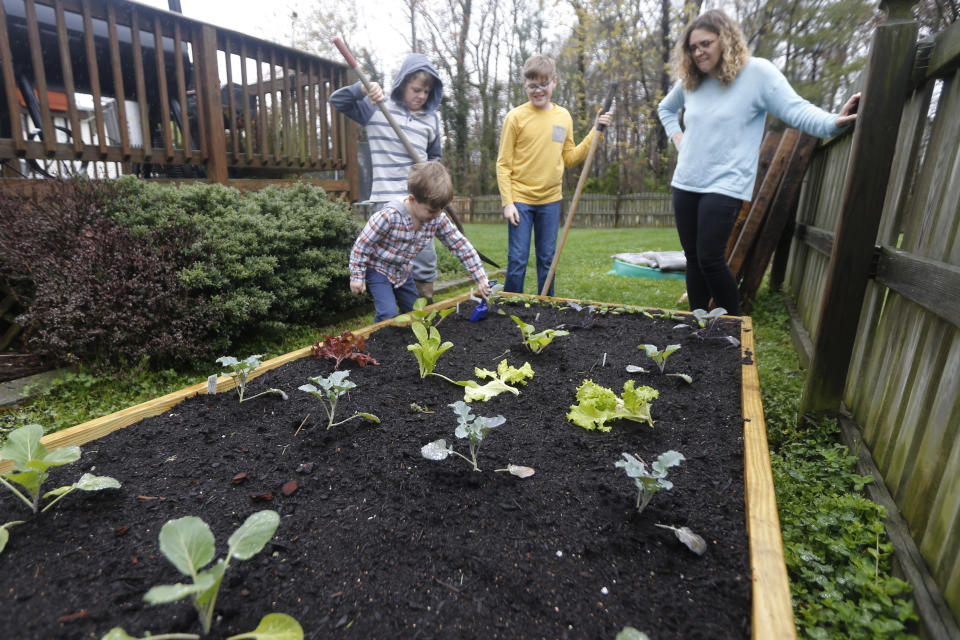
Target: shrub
(267, 258)
(94, 292)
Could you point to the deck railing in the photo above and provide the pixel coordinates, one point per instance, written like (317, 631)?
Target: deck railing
(110, 83)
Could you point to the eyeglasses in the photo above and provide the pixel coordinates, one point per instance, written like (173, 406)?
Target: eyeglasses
(703, 45)
(533, 86)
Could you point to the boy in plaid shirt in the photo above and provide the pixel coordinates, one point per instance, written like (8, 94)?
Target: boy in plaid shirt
(381, 261)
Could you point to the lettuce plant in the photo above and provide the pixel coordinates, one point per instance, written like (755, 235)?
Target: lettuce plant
(597, 404)
(273, 626)
(429, 347)
(474, 428)
(537, 342)
(500, 382)
(346, 346)
(189, 545)
(331, 388)
(649, 482)
(31, 461)
(241, 370)
(660, 357)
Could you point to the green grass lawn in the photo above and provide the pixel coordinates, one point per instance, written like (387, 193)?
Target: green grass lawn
(584, 262)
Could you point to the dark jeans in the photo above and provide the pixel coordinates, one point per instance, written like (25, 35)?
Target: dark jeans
(543, 220)
(704, 222)
(387, 298)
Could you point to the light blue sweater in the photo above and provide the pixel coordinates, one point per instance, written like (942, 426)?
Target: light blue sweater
(724, 127)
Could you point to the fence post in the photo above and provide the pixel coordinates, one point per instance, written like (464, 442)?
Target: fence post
(885, 88)
(210, 100)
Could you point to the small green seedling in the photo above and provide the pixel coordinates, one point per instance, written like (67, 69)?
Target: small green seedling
(469, 426)
(241, 370)
(273, 626)
(649, 482)
(706, 323)
(500, 381)
(4, 534)
(428, 349)
(189, 545)
(331, 388)
(597, 404)
(660, 357)
(31, 461)
(686, 535)
(631, 633)
(537, 342)
(425, 318)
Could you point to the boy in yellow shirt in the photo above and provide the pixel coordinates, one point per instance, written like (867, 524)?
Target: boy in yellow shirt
(535, 145)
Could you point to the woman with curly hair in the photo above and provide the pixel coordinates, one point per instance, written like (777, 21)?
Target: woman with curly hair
(725, 95)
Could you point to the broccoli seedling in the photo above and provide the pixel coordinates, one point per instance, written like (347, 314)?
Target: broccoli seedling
(706, 323)
(188, 544)
(597, 404)
(475, 428)
(331, 388)
(31, 461)
(537, 342)
(649, 482)
(241, 370)
(660, 357)
(273, 626)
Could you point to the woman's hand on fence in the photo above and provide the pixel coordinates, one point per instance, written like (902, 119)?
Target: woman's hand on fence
(849, 112)
(511, 214)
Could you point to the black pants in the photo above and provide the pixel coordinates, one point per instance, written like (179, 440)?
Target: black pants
(704, 222)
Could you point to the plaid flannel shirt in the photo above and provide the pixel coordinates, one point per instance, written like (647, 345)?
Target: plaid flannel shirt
(389, 243)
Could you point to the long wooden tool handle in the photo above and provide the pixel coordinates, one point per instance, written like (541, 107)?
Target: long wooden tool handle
(352, 63)
(576, 195)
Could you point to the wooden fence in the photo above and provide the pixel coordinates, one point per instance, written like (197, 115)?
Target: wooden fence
(108, 86)
(594, 210)
(874, 274)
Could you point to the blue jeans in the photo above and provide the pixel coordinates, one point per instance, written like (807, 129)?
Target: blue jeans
(386, 297)
(544, 221)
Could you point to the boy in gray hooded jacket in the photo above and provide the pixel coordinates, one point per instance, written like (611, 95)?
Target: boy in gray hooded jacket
(414, 99)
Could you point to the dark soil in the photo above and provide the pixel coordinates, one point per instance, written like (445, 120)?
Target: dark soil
(376, 541)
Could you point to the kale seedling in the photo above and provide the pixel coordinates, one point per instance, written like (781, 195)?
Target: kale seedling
(660, 357)
(428, 349)
(273, 626)
(597, 404)
(31, 461)
(469, 426)
(537, 342)
(241, 370)
(706, 323)
(346, 346)
(188, 544)
(649, 482)
(331, 388)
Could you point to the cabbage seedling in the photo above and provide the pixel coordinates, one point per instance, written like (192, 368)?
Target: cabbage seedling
(706, 323)
(660, 357)
(332, 387)
(475, 428)
(241, 370)
(273, 626)
(188, 544)
(31, 461)
(537, 342)
(649, 482)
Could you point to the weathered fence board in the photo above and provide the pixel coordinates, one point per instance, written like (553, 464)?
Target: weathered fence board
(594, 210)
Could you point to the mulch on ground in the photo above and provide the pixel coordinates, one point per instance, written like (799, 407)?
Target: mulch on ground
(377, 542)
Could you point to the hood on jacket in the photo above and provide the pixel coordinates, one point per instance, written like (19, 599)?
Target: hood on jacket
(411, 64)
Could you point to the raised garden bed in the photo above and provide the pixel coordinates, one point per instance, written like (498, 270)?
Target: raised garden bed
(377, 542)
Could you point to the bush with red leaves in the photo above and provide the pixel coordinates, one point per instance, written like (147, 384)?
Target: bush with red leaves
(96, 294)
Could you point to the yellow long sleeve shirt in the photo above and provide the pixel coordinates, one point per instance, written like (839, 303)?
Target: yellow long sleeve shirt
(535, 145)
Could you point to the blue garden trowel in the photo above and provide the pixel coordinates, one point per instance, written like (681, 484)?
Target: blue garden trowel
(481, 309)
